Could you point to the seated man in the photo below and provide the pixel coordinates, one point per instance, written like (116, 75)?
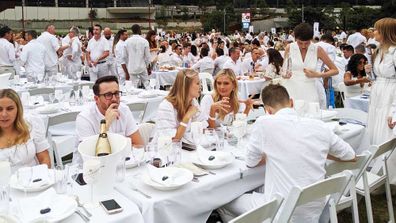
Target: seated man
(294, 151)
(119, 118)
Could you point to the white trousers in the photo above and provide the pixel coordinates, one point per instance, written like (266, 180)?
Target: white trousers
(100, 70)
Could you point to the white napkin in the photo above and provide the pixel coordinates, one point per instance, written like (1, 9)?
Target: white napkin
(163, 176)
(48, 108)
(203, 156)
(30, 207)
(30, 174)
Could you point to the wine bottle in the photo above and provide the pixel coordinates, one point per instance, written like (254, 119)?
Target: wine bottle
(103, 147)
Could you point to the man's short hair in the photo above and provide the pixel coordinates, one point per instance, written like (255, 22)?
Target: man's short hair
(32, 33)
(4, 30)
(47, 26)
(303, 32)
(360, 49)
(109, 78)
(327, 37)
(204, 52)
(274, 95)
(136, 29)
(219, 51)
(349, 48)
(75, 30)
(233, 49)
(98, 25)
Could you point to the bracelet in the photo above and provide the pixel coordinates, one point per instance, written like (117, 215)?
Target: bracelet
(212, 118)
(183, 124)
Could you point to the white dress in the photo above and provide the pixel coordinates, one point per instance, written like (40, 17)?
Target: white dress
(382, 104)
(299, 86)
(24, 155)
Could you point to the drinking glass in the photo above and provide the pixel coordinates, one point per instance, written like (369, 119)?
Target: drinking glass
(221, 138)
(152, 84)
(5, 173)
(4, 199)
(196, 132)
(58, 95)
(60, 179)
(51, 97)
(91, 172)
(120, 170)
(176, 157)
(239, 130)
(138, 152)
(210, 139)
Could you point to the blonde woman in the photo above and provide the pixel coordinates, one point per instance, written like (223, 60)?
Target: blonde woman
(224, 99)
(383, 92)
(22, 141)
(180, 107)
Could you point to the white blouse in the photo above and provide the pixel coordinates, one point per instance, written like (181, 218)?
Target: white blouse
(270, 71)
(167, 120)
(385, 68)
(207, 102)
(24, 155)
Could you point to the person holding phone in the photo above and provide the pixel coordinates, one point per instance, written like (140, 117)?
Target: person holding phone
(355, 71)
(119, 118)
(224, 99)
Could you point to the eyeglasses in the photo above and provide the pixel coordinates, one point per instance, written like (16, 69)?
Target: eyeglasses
(109, 95)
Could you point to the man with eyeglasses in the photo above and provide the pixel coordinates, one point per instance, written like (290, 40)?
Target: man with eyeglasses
(176, 57)
(119, 118)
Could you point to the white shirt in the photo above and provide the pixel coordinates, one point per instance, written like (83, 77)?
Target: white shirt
(331, 52)
(110, 58)
(167, 120)
(96, 48)
(176, 60)
(219, 62)
(88, 122)
(137, 53)
(372, 41)
(119, 52)
(24, 155)
(7, 53)
(291, 38)
(164, 59)
(74, 50)
(33, 57)
(248, 65)
(51, 44)
(343, 35)
(235, 66)
(341, 64)
(356, 39)
(205, 64)
(296, 149)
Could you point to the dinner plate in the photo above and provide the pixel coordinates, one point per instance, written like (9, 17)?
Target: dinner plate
(227, 159)
(8, 219)
(183, 177)
(16, 185)
(49, 109)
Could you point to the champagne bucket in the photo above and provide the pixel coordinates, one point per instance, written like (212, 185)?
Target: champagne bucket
(119, 149)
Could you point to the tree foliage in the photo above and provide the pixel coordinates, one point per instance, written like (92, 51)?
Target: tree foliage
(312, 15)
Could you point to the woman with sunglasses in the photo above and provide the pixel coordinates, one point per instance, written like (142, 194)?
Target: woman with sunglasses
(180, 107)
(224, 102)
(22, 140)
(355, 71)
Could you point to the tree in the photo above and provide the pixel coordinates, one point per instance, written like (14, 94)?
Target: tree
(184, 11)
(311, 15)
(213, 20)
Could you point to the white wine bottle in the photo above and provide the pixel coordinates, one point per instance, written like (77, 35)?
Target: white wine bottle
(103, 147)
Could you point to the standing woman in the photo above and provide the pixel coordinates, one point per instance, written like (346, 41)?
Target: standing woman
(22, 141)
(303, 56)
(383, 93)
(150, 37)
(118, 51)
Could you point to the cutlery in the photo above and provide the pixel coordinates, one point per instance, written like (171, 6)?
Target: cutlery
(82, 206)
(134, 188)
(84, 218)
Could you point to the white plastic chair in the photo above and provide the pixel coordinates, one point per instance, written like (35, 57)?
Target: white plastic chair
(333, 186)
(204, 77)
(5, 80)
(358, 168)
(373, 180)
(352, 114)
(65, 144)
(146, 131)
(138, 108)
(342, 88)
(265, 212)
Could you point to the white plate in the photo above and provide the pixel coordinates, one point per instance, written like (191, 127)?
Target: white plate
(183, 177)
(216, 165)
(50, 109)
(14, 183)
(8, 219)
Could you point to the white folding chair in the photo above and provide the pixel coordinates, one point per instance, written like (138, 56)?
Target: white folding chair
(41, 91)
(333, 186)
(352, 114)
(265, 212)
(209, 71)
(204, 78)
(5, 80)
(146, 131)
(138, 110)
(62, 145)
(342, 88)
(372, 181)
(358, 168)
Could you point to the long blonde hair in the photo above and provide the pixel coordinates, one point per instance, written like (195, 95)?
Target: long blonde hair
(178, 94)
(386, 27)
(234, 93)
(20, 124)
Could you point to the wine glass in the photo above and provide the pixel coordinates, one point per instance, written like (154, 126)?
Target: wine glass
(138, 152)
(152, 84)
(51, 97)
(58, 95)
(239, 130)
(91, 172)
(196, 132)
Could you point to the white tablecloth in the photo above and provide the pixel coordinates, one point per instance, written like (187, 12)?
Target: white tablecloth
(250, 87)
(357, 102)
(164, 77)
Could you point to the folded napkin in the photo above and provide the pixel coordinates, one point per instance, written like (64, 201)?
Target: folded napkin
(48, 108)
(30, 176)
(30, 207)
(164, 176)
(194, 169)
(211, 157)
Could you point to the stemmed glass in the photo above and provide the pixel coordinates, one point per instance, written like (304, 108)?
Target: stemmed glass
(239, 130)
(51, 97)
(58, 95)
(138, 152)
(152, 84)
(91, 172)
(288, 70)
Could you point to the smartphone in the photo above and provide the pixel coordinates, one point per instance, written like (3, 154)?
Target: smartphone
(111, 206)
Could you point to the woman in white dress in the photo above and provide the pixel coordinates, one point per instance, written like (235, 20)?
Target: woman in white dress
(180, 107)
(300, 62)
(224, 100)
(383, 92)
(22, 141)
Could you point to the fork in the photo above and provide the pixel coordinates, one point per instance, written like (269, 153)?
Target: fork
(134, 188)
(85, 218)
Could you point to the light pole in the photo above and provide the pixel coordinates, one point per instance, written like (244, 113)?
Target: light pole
(23, 15)
(224, 25)
(149, 14)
